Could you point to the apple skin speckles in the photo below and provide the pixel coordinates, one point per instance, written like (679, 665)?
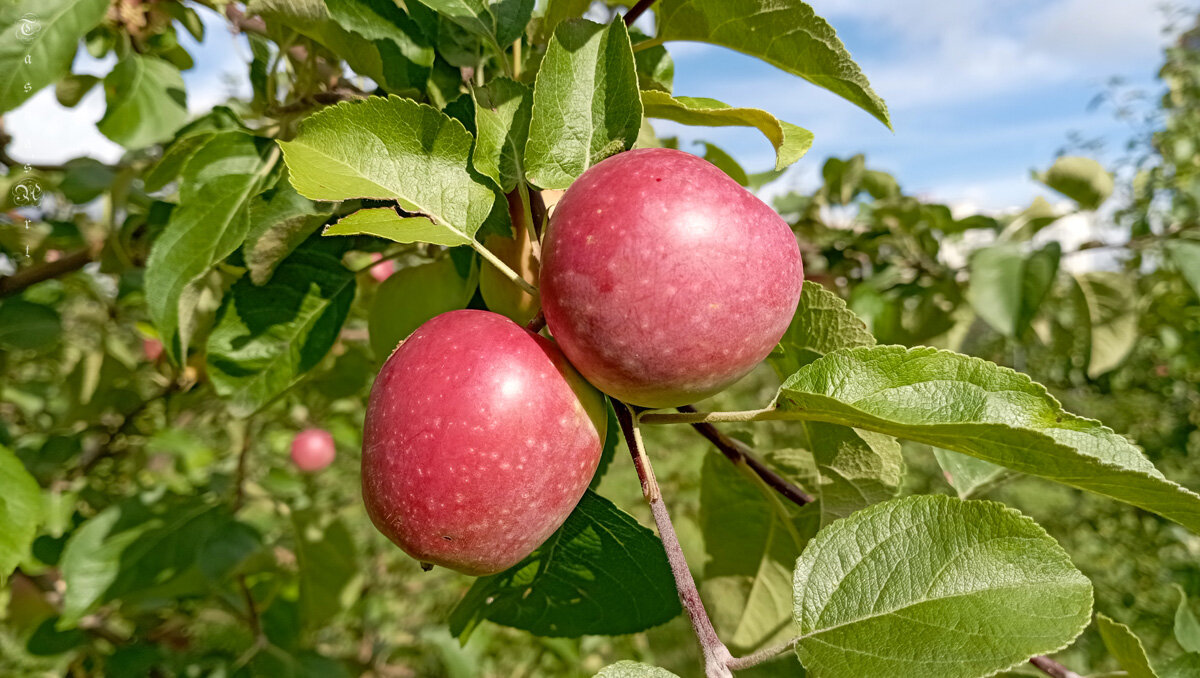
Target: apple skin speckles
(663, 280)
(478, 443)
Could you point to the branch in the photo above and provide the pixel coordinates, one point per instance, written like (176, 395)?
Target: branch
(17, 282)
(693, 417)
(636, 11)
(739, 453)
(1052, 668)
(716, 655)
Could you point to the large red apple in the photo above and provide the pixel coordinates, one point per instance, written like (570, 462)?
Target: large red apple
(479, 440)
(663, 280)
(313, 450)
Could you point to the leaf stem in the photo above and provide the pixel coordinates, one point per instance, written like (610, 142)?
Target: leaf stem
(716, 655)
(503, 268)
(763, 655)
(636, 11)
(1052, 668)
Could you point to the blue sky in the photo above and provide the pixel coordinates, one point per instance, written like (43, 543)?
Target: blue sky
(981, 91)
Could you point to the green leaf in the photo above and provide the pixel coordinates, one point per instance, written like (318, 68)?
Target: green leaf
(146, 102)
(655, 68)
(502, 112)
(1186, 255)
(1125, 647)
(1008, 285)
(628, 669)
(330, 576)
(384, 20)
(585, 102)
(211, 221)
(392, 149)
(398, 66)
(473, 15)
(28, 326)
(790, 142)
(511, 18)
(558, 11)
(267, 337)
(1187, 627)
(1031, 220)
(1185, 666)
(189, 139)
(385, 222)
(85, 180)
(280, 220)
(784, 33)
(752, 539)
(413, 295)
(918, 586)
(48, 33)
(21, 511)
(967, 475)
(822, 324)
(601, 573)
(974, 407)
(851, 469)
(1111, 303)
(726, 163)
(71, 88)
(1081, 179)
(142, 549)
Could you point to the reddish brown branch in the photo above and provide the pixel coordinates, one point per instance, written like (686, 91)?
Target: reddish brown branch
(1052, 668)
(636, 11)
(739, 453)
(17, 282)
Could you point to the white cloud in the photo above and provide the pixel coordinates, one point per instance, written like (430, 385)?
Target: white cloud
(45, 132)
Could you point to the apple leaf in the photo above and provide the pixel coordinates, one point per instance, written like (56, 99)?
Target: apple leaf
(585, 102)
(1184, 666)
(146, 101)
(934, 586)
(511, 18)
(725, 162)
(385, 222)
(27, 326)
(330, 574)
(752, 539)
(1081, 179)
(1186, 255)
(655, 68)
(396, 69)
(187, 141)
(1125, 647)
(1187, 627)
(413, 295)
(46, 31)
(267, 336)
(150, 550)
(808, 48)
(601, 573)
(473, 15)
(502, 113)
(71, 88)
(211, 221)
(392, 149)
(968, 475)
(384, 20)
(280, 220)
(1110, 300)
(628, 669)
(558, 11)
(822, 324)
(977, 408)
(21, 511)
(790, 142)
(1008, 285)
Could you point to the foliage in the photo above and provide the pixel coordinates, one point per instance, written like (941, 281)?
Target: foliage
(154, 527)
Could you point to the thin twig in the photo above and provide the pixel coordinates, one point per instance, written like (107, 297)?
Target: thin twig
(1052, 668)
(716, 655)
(239, 483)
(765, 414)
(763, 655)
(19, 281)
(738, 452)
(636, 11)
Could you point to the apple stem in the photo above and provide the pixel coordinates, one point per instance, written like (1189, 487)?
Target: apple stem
(536, 324)
(636, 11)
(716, 655)
(527, 218)
(503, 268)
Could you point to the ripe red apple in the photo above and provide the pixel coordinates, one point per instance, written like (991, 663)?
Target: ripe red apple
(152, 349)
(313, 450)
(663, 280)
(479, 440)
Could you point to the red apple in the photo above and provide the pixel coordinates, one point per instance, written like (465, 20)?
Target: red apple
(663, 280)
(478, 442)
(313, 450)
(152, 349)
(381, 272)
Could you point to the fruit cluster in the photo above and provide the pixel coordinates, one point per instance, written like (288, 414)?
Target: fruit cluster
(662, 282)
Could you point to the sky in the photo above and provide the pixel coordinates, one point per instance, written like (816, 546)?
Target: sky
(980, 92)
